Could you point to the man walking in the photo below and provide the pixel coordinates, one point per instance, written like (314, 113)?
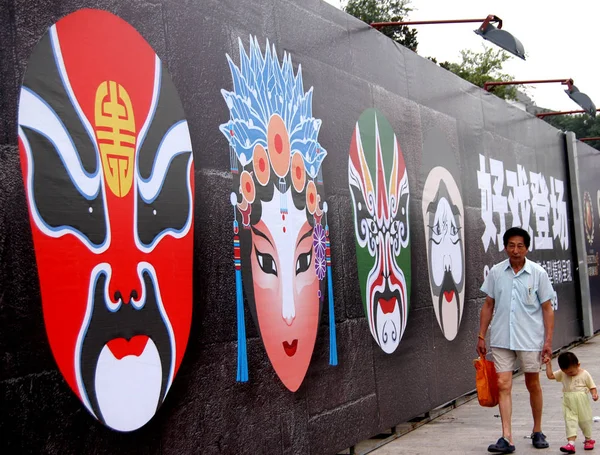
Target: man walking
(521, 329)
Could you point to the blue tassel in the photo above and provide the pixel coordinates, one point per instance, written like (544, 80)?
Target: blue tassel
(333, 360)
(242, 364)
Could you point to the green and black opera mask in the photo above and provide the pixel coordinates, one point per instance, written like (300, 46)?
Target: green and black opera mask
(380, 196)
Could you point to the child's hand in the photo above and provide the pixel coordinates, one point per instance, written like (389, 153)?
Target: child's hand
(546, 359)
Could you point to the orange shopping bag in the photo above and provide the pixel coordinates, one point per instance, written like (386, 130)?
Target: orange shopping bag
(486, 381)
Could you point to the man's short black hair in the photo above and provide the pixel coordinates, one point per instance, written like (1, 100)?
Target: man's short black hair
(517, 232)
(567, 359)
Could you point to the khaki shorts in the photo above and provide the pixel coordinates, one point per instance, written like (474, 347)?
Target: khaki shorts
(506, 360)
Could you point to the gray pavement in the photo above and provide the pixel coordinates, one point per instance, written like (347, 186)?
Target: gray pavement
(470, 428)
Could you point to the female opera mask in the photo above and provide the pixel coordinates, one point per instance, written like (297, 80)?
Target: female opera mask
(281, 236)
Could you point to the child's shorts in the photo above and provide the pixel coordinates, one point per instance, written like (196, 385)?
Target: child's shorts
(578, 413)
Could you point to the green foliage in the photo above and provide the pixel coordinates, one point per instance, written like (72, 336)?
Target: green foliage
(386, 11)
(481, 67)
(581, 125)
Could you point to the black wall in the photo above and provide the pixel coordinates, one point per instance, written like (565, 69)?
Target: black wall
(589, 169)
(352, 67)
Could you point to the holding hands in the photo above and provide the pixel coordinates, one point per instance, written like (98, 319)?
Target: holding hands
(547, 351)
(546, 359)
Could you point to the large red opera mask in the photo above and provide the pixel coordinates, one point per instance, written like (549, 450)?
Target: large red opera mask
(108, 169)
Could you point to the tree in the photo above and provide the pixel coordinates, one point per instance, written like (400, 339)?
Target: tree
(481, 67)
(581, 125)
(386, 11)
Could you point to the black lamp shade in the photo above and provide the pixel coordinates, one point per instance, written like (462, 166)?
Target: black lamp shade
(502, 39)
(582, 99)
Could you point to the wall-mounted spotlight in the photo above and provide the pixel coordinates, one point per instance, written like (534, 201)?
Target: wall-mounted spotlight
(495, 35)
(582, 99)
(573, 92)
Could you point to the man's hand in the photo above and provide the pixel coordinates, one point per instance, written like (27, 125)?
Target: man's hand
(547, 351)
(481, 349)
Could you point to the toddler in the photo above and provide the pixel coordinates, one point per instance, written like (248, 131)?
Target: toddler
(576, 405)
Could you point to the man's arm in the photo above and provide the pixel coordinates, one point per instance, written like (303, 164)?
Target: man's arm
(487, 311)
(548, 314)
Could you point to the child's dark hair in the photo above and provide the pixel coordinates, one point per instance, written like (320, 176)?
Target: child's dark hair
(567, 359)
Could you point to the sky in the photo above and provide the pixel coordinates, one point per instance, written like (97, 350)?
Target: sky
(559, 38)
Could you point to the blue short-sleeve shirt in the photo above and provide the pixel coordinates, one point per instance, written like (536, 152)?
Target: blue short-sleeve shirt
(518, 322)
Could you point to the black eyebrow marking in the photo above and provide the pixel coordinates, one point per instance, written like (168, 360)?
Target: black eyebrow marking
(260, 234)
(308, 234)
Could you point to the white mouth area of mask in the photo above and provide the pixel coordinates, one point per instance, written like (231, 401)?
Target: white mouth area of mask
(389, 329)
(128, 390)
(450, 315)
